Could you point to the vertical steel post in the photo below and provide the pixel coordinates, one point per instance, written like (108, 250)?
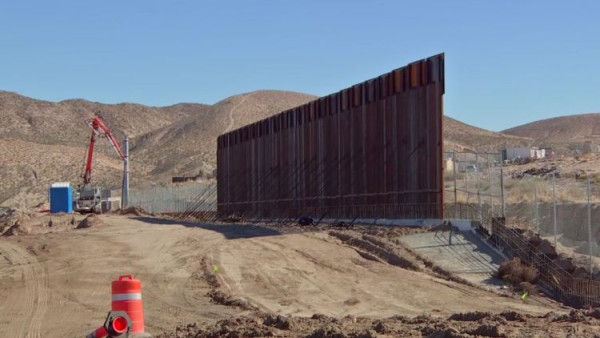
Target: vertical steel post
(554, 202)
(502, 189)
(467, 187)
(125, 187)
(535, 209)
(489, 172)
(478, 192)
(589, 222)
(455, 194)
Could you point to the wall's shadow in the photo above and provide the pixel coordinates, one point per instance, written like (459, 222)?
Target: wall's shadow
(230, 231)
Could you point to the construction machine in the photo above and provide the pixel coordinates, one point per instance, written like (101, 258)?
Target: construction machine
(88, 198)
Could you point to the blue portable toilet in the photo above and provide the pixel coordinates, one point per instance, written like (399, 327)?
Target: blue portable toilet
(61, 197)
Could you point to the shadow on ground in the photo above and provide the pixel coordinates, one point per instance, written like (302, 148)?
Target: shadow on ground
(230, 231)
(468, 255)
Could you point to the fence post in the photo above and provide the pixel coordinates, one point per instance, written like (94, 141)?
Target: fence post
(490, 190)
(554, 202)
(478, 192)
(467, 187)
(454, 173)
(502, 188)
(589, 223)
(536, 220)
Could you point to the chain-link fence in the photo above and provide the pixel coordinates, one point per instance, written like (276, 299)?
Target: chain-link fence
(175, 198)
(564, 211)
(473, 186)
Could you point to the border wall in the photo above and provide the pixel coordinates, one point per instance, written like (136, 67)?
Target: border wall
(371, 149)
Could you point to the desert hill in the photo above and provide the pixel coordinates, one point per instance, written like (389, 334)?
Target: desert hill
(43, 142)
(460, 136)
(27, 169)
(562, 130)
(189, 145)
(62, 122)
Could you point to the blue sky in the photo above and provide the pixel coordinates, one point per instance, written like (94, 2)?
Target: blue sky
(507, 62)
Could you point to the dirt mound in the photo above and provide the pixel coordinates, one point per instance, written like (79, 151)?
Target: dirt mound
(385, 246)
(20, 227)
(219, 297)
(488, 330)
(470, 316)
(377, 247)
(513, 316)
(90, 221)
(474, 324)
(133, 211)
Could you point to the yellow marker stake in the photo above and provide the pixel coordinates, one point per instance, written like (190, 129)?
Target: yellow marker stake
(215, 268)
(524, 295)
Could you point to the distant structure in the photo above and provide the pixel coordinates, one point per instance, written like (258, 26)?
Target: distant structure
(373, 150)
(523, 153)
(182, 179)
(590, 147)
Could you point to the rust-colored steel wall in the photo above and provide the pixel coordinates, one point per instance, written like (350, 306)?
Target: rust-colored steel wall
(373, 150)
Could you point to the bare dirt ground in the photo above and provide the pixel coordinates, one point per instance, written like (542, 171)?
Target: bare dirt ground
(211, 280)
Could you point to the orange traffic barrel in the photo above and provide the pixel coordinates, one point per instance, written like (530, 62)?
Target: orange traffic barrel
(113, 327)
(127, 296)
(118, 325)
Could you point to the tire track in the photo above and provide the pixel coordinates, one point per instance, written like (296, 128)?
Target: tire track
(31, 301)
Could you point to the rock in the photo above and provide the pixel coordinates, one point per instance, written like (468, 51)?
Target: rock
(565, 262)
(380, 327)
(576, 316)
(278, 321)
(513, 316)
(488, 330)
(447, 333)
(328, 331)
(470, 316)
(318, 316)
(580, 272)
(305, 221)
(90, 221)
(594, 313)
(547, 248)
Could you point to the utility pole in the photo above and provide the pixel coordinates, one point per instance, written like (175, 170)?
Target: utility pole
(589, 221)
(125, 187)
(456, 215)
(478, 192)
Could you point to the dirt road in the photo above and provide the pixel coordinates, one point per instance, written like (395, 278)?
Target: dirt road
(26, 304)
(58, 284)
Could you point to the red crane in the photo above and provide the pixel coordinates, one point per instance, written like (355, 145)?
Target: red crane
(99, 129)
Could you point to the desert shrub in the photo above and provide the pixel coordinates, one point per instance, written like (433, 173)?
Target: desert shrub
(530, 288)
(515, 272)
(522, 189)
